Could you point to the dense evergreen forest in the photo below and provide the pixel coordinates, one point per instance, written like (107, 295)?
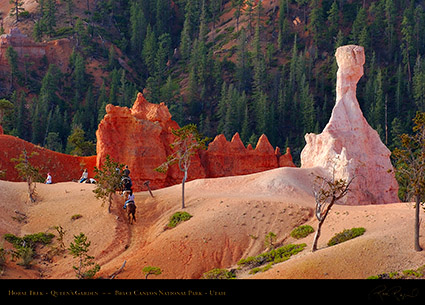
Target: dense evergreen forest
(272, 71)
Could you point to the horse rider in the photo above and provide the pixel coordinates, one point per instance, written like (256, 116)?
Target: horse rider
(130, 199)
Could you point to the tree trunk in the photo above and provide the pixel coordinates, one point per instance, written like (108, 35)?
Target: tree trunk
(417, 209)
(149, 188)
(317, 235)
(183, 181)
(110, 202)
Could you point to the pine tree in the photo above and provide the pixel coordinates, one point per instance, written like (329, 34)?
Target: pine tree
(78, 76)
(390, 23)
(243, 70)
(307, 106)
(12, 60)
(317, 20)
(16, 9)
(102, 101)
(419, 24)
(149, 50)
(237, 5)
(185, 40)
(407, 46)
(359, 24)
(138, 27)
(163, 15)
(23, 119)
(49, 19)
(333, 20)
(418, 84)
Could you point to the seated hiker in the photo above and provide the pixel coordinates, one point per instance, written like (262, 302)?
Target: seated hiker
(48, 179)
(130, 200)
(84, 176)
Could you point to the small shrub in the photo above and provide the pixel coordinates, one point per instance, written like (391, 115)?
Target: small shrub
(2, 259)
(269, 240)
(25, 246)
(218, 274)
(76, 216)
(302, 231)
(177, 218)
(29, 240)
(346, 235)
(26, 254)
(272, 257)
(405, 274)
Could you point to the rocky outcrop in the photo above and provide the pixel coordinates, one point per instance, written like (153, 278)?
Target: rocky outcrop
(23, 45)
(348, 145)
(224, 158)
(140, 137)
(56, 51)
(61, 166)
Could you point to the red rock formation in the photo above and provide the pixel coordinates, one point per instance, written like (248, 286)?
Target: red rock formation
(225, 158)
(61, 166)
(140, 137)
(286, 159)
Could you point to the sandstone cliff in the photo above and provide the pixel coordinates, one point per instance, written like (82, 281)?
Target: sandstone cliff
(348, 144)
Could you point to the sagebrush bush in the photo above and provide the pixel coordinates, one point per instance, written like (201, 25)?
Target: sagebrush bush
(302, 231)
(346, 235)
(177, 218)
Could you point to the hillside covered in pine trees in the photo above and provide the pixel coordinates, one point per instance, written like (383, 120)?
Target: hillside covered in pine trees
(229, 66)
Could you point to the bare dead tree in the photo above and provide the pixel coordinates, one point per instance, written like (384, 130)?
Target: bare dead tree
(327, 191)
(113, 275)
(146, 183)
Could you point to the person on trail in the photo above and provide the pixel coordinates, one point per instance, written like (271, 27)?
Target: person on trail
(126, 172)
(129, 200)
(48, 179)
(84, 176)
(127, 184)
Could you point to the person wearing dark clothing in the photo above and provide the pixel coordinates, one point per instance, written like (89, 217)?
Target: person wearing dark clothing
(126, 172)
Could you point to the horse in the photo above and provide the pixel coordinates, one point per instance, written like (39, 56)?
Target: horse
(131, 212)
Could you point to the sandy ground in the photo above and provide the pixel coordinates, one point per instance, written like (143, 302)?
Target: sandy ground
(231, 217)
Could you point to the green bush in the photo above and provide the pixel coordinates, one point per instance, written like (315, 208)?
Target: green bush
(25, 246)
(302, 231)
(218, 274)
(177, 218)
(272, 257)
(405, 274)
(29, 240)
(76, 216)
(346, 235)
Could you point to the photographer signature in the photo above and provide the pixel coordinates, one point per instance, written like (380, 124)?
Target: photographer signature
(383, 292)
